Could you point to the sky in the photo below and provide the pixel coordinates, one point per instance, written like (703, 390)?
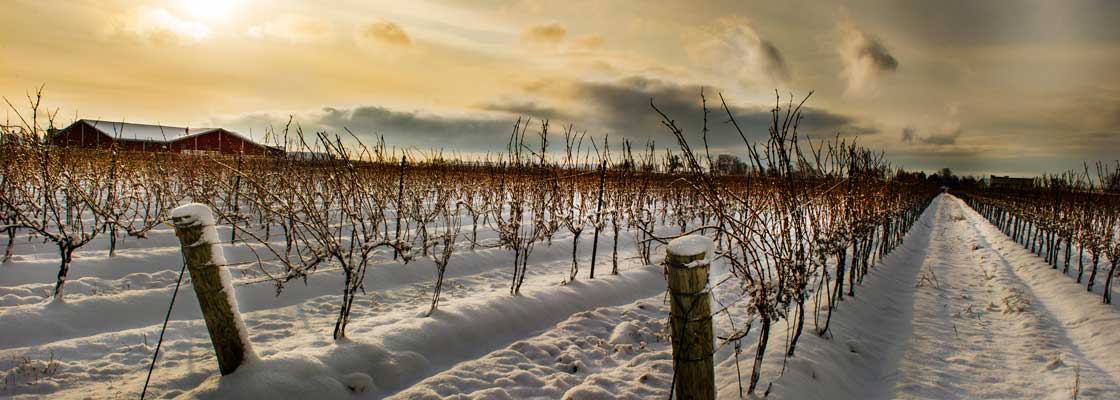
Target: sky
(1004, 87)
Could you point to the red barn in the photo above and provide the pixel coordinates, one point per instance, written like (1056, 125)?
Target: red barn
(94, 134)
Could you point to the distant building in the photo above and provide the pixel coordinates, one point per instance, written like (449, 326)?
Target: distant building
(1007, 182)
(94, 134)
(310, 156)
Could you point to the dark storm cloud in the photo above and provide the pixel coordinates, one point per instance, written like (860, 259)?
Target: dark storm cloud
(966, 161)
(962, 161)
(400, 128)
(774, 63)
(866, 60)
(967, 23)
(878, 54)
(1096, 146)
(623, 108)
(944, 138)
(411, 128)
(620, 109)
(1107, 137)
(908, 135)
(531, 109)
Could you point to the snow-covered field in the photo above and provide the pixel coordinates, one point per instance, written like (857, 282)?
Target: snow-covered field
(957, 311)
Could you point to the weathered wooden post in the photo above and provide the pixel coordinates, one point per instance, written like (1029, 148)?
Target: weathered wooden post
(194, 225)
(690, 318)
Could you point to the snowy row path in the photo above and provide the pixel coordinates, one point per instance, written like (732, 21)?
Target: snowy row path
(981, 331)
(961, 311)
(1090, 327)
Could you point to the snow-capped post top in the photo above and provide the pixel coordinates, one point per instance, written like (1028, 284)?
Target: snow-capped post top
(685, 251)
(192, 214)
(689, 245)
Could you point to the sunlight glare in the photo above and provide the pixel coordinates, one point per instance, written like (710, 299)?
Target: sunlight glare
(209, 9)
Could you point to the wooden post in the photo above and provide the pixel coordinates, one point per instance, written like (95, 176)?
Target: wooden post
(690, 318)
(194, 225)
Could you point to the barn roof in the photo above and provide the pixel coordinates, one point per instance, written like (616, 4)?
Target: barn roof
(156, 133)
(200, 132)
(131, 131)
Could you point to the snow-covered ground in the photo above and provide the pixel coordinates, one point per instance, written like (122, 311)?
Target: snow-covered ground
(957, 311)
(961, 311)
(98, 343)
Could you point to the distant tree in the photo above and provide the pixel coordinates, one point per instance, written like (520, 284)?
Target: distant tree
(945, 177)
(727, 164)
(906, 176)
(674, 163)
(1111, 182)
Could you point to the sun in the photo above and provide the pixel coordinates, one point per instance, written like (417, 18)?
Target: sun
(208, 9)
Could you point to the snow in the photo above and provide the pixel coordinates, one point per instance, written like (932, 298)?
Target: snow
(357, 382)
(194, 214)
(625, 333)
(106, 331)
(289, 376)
(690, 245)
(126, 130)
(999, 323)
(957, 311)
(415, 348)
(580, 358)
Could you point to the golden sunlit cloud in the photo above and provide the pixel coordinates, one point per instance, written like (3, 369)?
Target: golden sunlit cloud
(545, 34)
(386, 32)
(159, 25)
(589, 42)
(293, 29)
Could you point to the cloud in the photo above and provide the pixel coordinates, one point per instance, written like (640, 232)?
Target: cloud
(528, 108)
(400, 128)
(619, 108)
(421, 129)
(866, 60)
(943, 138)
(962, 160)
(159, 26)
(738, 48)
(386, 32)
(946, 134)
(622, 108)
(552, 33)
(293, 29)
(589, 42)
